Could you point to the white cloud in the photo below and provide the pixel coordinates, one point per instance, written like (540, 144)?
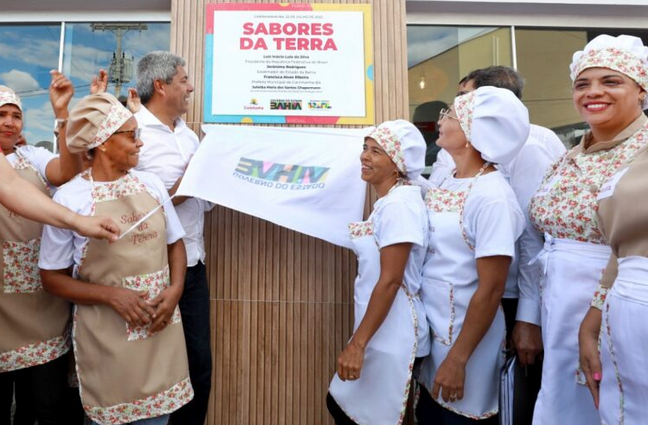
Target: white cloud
(39, 122)
(32, 51)
(19, 81)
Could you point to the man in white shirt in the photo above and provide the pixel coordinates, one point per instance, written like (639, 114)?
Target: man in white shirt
(525, 174)
(164, 90)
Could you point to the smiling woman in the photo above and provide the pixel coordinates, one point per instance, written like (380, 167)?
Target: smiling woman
(609, 92)
(127, 324)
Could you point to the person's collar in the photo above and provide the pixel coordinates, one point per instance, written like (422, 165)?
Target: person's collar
(608, 144)
(147, 118)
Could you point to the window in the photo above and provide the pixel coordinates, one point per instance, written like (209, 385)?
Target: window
(438, 58)
(29, 52)
(543, 57)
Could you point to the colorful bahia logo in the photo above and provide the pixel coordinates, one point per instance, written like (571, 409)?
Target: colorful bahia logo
(281, 176)
(286, 104)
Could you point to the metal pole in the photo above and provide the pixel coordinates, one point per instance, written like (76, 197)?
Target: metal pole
(119, 63)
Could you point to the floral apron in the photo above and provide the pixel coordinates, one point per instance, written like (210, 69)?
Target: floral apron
(451, 260)
(125, 374)
(379, 396)
(34, 325)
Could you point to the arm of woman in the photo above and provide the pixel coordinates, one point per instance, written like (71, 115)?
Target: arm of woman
(23, 198)
(130, 304)
(166, 302)
(393, 259)
(590, 361)
(62, 169)
(588, 334)
(450, 377)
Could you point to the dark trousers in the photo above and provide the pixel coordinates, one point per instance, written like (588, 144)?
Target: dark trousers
(41, 393)
(509, 305)
(429, 412)
(527, 379)
(194, 306)
(338, 415)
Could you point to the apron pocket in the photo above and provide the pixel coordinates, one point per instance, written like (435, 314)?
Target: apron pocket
(153, 284)
(21, 275)
(440, 308)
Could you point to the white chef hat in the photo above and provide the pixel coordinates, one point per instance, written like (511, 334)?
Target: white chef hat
(494, 121)
(625, 54)
(404, 144)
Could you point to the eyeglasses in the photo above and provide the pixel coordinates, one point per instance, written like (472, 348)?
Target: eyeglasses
(446, 113)
(136, 133)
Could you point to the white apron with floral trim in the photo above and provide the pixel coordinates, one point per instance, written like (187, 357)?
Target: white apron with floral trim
(451, 260)
(125, 374)
(573, 259)
(624, 342)
(34, 325)
(379, 396)
(571, 272)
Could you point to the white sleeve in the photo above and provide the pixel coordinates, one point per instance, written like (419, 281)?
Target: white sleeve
(57, 245)
(530, 168)
(400, 222)
(39, 157)
(443, 165)
(174, 229)
(529, 276)
(496, 226)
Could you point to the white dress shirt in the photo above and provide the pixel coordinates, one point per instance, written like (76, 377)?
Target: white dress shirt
(524, 173)
(166, 153)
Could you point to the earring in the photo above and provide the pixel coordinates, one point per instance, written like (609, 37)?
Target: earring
(642, 97)
(467, 145)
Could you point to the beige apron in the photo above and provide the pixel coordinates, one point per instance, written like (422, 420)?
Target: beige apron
(34, 325)
(125, 374)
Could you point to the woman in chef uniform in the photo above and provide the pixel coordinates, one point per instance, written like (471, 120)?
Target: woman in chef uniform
(34, 324)
(609, 81)
(390, 331)
(474, 220)
(621, 301)
(128, 340)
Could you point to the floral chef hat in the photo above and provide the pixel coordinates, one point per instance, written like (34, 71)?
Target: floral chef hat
(93, 120)
(9, 97)
(404, 144)
(625, 54)
(494, 121)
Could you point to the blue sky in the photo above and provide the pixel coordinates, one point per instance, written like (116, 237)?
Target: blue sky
(29, 52)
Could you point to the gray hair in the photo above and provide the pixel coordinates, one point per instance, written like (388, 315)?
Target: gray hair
(158, 65)
(503, 77)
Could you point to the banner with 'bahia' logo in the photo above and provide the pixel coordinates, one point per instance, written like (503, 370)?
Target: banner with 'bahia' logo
(307, 180)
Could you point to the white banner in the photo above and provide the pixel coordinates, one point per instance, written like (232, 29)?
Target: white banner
(307, 180)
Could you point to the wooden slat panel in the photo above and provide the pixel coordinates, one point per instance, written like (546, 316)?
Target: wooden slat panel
(282, 302)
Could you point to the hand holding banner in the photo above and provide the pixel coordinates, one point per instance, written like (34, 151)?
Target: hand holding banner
(307, 180)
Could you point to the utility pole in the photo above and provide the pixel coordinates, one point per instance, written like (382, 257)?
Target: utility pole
(121, 67)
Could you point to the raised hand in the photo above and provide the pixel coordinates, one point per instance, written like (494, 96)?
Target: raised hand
(99, 82)
(61, 91)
